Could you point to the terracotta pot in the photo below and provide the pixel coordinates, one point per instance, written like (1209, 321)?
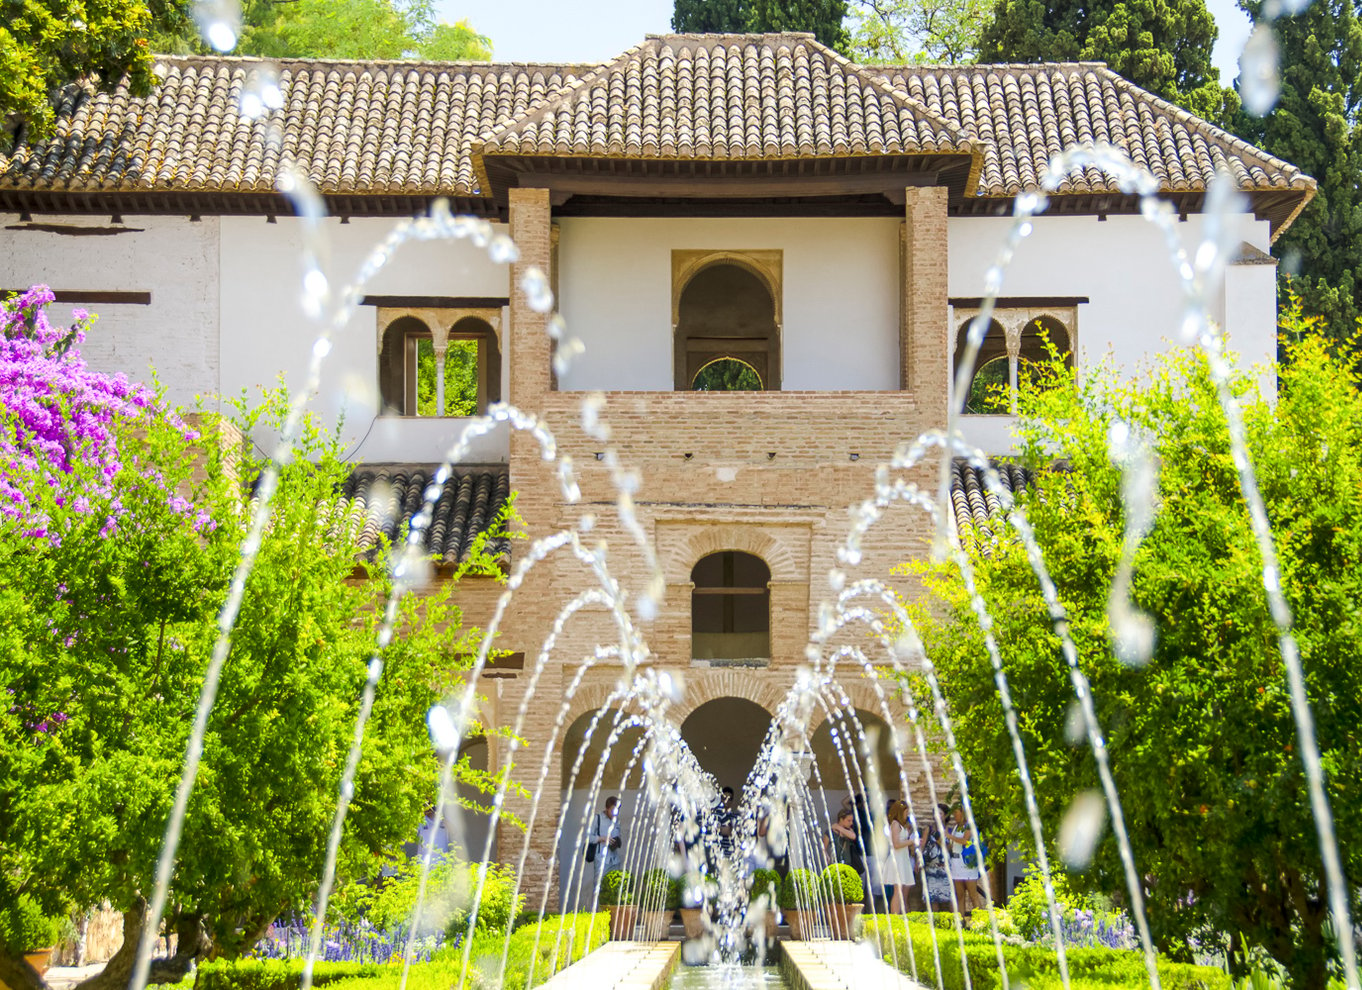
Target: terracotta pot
(694, 920)
(772, 922)
(796, 919)
(40, 958)
(655, 925)
(623, 918)
(842, 919)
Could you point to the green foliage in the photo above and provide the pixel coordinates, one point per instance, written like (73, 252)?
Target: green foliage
(654, 889)
(617, 887)
(24, 926)
(389, 902)
(276, 974)
(1161, 45)
(358, 29)
(824, 18)
(727, 375)
(551, 946)
(939, 32)
(45, 44)
(1202, 739)
(1029, 907)
(461, 378)
(676, 888)
(842, 884)
(990, 389)
(112, 631)
(1033, 965)
(765, 883)
(1315, 126)
(800, 891)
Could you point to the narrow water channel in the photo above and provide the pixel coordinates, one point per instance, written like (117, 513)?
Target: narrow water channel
(727, 977)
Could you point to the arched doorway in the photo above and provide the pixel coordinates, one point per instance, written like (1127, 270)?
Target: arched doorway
(617, 778)
(467, 826)
(842, 769)
(725, 735)
(726, 332)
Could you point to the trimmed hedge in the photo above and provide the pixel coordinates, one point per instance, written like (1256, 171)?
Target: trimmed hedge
(1089, 968)
(617, 887)
(763, 882)
(800, 891)
(277, 974)
(842, 885)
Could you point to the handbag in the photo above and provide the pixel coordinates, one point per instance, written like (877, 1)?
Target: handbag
(591, 846)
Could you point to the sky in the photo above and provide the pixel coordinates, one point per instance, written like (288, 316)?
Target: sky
(595, 30)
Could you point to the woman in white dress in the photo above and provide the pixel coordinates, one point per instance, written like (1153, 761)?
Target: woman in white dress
(962, 877)
(901, 862)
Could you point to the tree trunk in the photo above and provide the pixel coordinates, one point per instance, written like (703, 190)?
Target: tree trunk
(192, 944)
(17, 974)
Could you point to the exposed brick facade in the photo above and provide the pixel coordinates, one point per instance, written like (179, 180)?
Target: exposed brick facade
(769, 473)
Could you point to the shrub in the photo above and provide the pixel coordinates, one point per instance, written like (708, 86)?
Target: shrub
(617, 887)
(277, 974)
(842, 884)
(1028, 906)
(24, 926)
(675, 887)
(800, 890)
(653, 890)
(1036, 965)
(765, 882)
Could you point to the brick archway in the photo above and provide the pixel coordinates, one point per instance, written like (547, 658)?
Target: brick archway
(705, 539)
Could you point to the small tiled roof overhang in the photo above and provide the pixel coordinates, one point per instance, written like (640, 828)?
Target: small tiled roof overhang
(380, 501)
(387, 137)
(972, 504)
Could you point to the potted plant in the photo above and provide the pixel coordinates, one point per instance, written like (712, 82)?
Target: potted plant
(27, 931)
(654, 901)
(617, 897)
(693, 914)
(763, 898)
(798, 897)
(843, 888)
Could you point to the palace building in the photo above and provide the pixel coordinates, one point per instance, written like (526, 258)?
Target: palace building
(768, 253)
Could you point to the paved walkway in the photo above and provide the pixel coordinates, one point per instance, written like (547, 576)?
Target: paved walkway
(620, 966)
(828, 965)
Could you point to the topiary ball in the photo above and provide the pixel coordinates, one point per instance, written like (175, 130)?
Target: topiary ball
(842, 884)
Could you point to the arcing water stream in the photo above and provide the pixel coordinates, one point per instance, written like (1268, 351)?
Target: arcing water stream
(782, 801)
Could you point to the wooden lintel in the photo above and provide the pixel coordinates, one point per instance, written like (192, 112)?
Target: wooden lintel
(1018, 302)
(94, 297)
(719, 187)
(436, 302)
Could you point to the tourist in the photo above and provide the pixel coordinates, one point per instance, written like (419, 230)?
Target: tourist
(902, 845)
(726, 822)
(840, 844)
(605, 833)
(963, 877)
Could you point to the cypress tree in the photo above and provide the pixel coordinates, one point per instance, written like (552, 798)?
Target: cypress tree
(1163, 46)
(1315, 126)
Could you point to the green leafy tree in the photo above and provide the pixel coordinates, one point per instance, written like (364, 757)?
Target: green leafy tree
(940, 32)
(824, 18)
(1161, 45)
(359, 29)
(1201, 738)
(108, 614)
(47, 43)
(1315, 126)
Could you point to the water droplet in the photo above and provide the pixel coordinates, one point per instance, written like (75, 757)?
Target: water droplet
(535, 285)
(221, 35)
(1074, 729)
(1132, 638)
(1082, 827)
(443, 735)
(502, 250)
(1025, 229)
(322, 347)
(261, 94)
(837, 579)
(1259, 76)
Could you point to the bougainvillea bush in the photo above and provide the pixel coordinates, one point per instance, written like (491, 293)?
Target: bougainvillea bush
(115, 560)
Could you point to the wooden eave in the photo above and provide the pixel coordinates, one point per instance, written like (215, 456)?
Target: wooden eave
(189, 202)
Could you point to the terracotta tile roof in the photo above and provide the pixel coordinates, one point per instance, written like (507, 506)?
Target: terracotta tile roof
(729, 97)
(1023, 114)
(371, 127)
(973, 505)
(381, 500)
(420, 129)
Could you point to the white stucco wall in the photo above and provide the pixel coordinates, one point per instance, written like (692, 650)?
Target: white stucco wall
(1122, 266)
(173, 259)
(1135, 302)
(840, 282)
(265, 331)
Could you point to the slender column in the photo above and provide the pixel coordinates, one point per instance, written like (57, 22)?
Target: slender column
(440, 380)
(924, 360)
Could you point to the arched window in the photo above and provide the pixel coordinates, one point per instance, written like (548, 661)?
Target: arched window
(1034, 351)
(731, 607)
(988, 387)
(726, 332)
(456, 373)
